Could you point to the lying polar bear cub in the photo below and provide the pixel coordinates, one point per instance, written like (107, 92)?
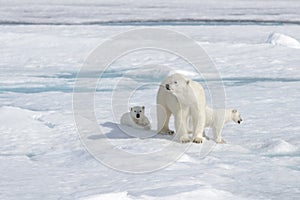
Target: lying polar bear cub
(136, 118)
(215, 121)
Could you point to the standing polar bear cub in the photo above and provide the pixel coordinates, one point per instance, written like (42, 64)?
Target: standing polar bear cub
(136, 118)
(216, 118)
(183, 98)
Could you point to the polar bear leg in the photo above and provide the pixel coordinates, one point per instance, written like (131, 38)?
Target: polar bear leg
(181, 125)
(163, 117)
(217, 135)
(198, 133)
(199, 126)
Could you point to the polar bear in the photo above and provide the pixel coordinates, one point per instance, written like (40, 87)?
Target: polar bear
(183, 98)
(136, 118)
(215, 120)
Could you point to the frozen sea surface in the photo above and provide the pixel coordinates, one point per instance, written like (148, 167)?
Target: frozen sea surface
(118, 12)
(41, 156)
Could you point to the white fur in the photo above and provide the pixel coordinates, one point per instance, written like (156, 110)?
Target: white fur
(215, 120)
(184, 98)
(130, 118)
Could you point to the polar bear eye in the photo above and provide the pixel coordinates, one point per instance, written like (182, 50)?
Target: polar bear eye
(175, 82)
(135, 111)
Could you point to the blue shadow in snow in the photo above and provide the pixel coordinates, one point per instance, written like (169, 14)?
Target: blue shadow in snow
(117, 133)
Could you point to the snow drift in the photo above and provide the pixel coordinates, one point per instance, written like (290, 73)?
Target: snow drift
(283, 40)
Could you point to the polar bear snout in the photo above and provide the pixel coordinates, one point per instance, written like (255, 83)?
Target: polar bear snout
(138, 116)
(238, 120)
(167, 87)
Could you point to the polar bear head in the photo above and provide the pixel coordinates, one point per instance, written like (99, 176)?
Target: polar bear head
(137, 112)
(236, 116)
(176, 84)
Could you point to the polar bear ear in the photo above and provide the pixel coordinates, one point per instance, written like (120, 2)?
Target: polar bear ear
(234, 110)
(188, 82)
(130, 108)
(143, 107)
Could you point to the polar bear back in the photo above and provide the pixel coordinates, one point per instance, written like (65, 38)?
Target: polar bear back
(126, 119)
(217, 117)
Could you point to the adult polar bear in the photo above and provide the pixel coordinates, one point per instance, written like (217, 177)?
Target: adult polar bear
(183, 98)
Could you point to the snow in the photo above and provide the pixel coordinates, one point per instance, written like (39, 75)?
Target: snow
(284, 40)
(41, 154)
(117, 196)
(117, 12)
(209, 193)
(279, 146)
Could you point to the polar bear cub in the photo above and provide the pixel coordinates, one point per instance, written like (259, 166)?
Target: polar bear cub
(215, 120)
(136, 118)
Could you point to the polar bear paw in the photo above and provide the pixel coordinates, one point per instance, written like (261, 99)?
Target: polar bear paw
(169, 132)
(184, 139)
(198, 140)
(220, 141)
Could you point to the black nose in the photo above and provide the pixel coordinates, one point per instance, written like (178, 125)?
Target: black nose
(167, 86)
(137, 115)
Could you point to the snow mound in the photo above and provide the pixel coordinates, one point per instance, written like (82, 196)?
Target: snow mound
(283, 40)
(279, 146)
(108, 196)
(17, 120)
(205, 193)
